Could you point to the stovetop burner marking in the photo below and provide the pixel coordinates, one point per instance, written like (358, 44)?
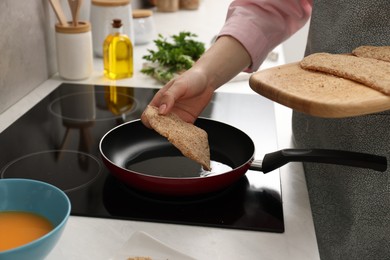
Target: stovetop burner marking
(85, 172)
(86, 112)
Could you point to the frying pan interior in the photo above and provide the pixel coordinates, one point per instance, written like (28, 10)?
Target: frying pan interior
(227, 144)
(133, 142)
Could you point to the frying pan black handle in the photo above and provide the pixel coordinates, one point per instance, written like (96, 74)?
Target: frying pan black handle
(277, 159)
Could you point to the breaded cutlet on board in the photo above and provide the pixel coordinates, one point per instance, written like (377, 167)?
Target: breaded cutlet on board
(374, 52)
(370, 72)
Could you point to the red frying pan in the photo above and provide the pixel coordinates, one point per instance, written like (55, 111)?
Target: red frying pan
(144, 160)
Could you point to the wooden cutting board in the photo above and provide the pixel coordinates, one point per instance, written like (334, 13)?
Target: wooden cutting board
(316, 93)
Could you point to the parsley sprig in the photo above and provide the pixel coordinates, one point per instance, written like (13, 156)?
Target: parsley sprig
(173, 56)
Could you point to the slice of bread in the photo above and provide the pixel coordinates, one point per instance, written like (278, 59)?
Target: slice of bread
(375, 52)
(370, 72)
(188, 138)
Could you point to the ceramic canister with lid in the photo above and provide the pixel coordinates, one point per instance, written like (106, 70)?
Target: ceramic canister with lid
(144, 26)
(102, 14)
(189, 4)
(167, 5)
(74, 51)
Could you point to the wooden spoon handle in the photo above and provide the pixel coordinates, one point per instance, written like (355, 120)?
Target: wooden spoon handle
(59, 12)
(75, 10)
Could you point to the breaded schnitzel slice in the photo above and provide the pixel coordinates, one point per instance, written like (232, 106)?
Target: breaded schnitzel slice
(191, 140)
(375, 52)
(370, 72)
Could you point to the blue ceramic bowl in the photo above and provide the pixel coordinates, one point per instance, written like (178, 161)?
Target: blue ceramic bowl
(40, 198)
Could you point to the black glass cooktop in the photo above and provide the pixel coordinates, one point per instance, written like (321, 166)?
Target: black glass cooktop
(57, 141)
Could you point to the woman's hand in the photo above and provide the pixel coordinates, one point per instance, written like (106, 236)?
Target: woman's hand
(188, 94)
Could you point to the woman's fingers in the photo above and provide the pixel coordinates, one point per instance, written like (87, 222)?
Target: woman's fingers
(165, 100)
(169, 97)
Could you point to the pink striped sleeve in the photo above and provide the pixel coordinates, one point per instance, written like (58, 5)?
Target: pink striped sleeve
(260, 25)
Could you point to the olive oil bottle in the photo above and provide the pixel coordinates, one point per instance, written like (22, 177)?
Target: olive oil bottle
(117, 53)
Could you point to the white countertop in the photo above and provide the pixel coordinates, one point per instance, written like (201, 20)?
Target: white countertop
(97, 238)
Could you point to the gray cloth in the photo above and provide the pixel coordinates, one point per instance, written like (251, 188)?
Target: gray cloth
(350, 206)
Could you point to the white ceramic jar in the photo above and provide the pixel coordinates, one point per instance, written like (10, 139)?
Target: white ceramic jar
(144, 26)
(102, 14)
(74, 51)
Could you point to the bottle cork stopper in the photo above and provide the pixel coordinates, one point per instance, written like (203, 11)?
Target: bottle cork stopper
(116, 23)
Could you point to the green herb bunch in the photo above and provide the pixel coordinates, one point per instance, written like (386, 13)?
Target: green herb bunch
(172, 57)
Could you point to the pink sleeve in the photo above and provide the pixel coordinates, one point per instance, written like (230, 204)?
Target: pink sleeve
(260, 25)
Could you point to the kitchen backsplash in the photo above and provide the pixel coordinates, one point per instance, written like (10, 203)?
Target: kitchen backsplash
(27, 45)
(26, 53)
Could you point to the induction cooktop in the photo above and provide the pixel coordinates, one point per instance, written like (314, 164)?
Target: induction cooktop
(57, 142)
